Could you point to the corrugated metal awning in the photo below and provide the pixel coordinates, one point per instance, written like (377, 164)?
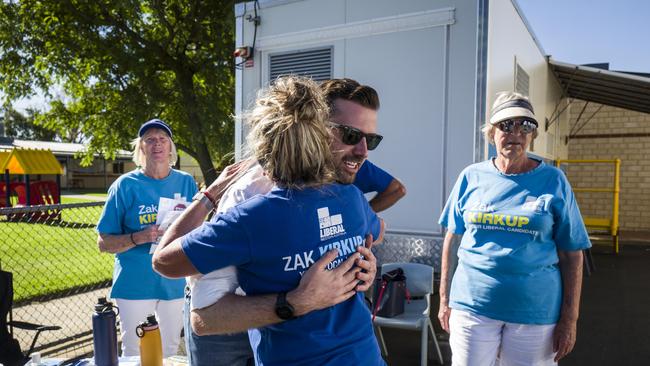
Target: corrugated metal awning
(57, 148)
(22, 161)
(3, 156)
(607, 87)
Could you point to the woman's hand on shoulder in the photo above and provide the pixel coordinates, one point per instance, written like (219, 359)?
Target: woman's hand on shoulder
(227, 176)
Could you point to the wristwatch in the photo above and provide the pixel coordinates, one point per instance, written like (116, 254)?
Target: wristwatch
(204, 199)
(283, 309)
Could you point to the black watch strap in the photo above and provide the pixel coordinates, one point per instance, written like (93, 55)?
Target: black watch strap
(283, 309)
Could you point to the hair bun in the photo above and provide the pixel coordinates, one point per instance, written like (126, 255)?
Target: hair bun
(303, 100)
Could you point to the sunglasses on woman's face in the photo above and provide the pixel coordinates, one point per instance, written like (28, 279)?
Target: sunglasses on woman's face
(352, 136)
(525, 126)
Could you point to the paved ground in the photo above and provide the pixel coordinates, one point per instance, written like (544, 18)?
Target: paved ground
(73, 314)
(614, 325)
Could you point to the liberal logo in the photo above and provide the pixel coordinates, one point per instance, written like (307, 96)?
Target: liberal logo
(330, 226)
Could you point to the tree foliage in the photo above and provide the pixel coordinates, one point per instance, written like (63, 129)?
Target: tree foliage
(122, 62)
(20, 126)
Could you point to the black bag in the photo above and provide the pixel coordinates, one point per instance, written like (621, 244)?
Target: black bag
(389, 294)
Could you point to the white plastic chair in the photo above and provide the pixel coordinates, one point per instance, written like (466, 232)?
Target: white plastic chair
(419, 282)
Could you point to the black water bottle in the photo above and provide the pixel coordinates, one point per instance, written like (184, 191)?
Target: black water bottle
(105, 333)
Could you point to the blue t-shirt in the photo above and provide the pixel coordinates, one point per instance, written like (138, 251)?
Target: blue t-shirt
(371, 178)
(273, 239)
(132, 205)
(512, 227)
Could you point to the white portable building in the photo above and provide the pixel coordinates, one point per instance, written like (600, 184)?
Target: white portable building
(436, 65)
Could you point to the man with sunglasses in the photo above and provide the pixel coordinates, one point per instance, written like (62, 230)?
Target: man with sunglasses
(353, 112)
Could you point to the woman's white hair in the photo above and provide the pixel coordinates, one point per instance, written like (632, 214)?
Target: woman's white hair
(140, 159)
(503, 97)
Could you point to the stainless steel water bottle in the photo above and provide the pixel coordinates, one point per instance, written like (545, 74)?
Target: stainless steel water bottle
(105, 333)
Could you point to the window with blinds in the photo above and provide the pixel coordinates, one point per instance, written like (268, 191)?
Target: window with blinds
(314, 63)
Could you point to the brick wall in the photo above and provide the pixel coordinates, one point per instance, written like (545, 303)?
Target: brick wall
(634, 153)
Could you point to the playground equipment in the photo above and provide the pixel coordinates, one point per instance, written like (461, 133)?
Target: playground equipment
(608, 225)
(26, 162)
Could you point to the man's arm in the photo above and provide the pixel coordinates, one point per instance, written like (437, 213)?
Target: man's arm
(195, 215)
(169, 259)
(393, 193)
(319, 288)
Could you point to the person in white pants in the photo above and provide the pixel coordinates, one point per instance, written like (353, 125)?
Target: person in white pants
(516, 228)
(169, 314)
(127, 229)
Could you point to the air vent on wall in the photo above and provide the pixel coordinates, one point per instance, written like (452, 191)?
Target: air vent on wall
(315, 63)
(522, 81)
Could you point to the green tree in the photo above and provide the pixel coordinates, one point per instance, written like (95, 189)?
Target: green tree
(122, 62)
(19, 126)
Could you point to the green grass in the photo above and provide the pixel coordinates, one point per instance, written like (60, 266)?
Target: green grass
(47, 259)
(87, 192)
(66, 199)
(97, 194)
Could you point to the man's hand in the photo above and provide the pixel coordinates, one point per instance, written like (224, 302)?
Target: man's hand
(320, 288)
(149, 235)
(564, 338)
(368, 265)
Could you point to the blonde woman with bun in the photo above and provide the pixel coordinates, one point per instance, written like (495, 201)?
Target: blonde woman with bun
(273, 239)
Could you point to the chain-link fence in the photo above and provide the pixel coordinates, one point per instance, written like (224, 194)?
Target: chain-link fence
(58, 272)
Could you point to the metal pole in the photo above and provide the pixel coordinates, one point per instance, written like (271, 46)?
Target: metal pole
(617, 189)
(7, 190)
(58, 188)
(27, 190)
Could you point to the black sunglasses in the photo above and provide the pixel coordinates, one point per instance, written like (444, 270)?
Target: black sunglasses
(525, 126)
(352, 136)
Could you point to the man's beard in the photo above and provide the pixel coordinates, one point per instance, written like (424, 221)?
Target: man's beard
(344, 176)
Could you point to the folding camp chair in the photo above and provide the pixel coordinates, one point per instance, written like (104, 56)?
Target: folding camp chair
(419, 282)
(10, 352)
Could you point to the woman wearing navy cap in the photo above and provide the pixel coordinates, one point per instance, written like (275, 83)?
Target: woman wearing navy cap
(127, 228)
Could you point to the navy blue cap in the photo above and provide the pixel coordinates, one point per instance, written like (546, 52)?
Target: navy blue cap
(154, 123)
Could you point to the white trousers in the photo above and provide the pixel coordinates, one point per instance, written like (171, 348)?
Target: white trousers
(169, 314)
(477, 340)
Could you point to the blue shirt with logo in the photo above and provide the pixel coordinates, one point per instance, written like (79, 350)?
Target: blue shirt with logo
(273, 239)
(512, 227)
(132, 205)
(371, 178)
